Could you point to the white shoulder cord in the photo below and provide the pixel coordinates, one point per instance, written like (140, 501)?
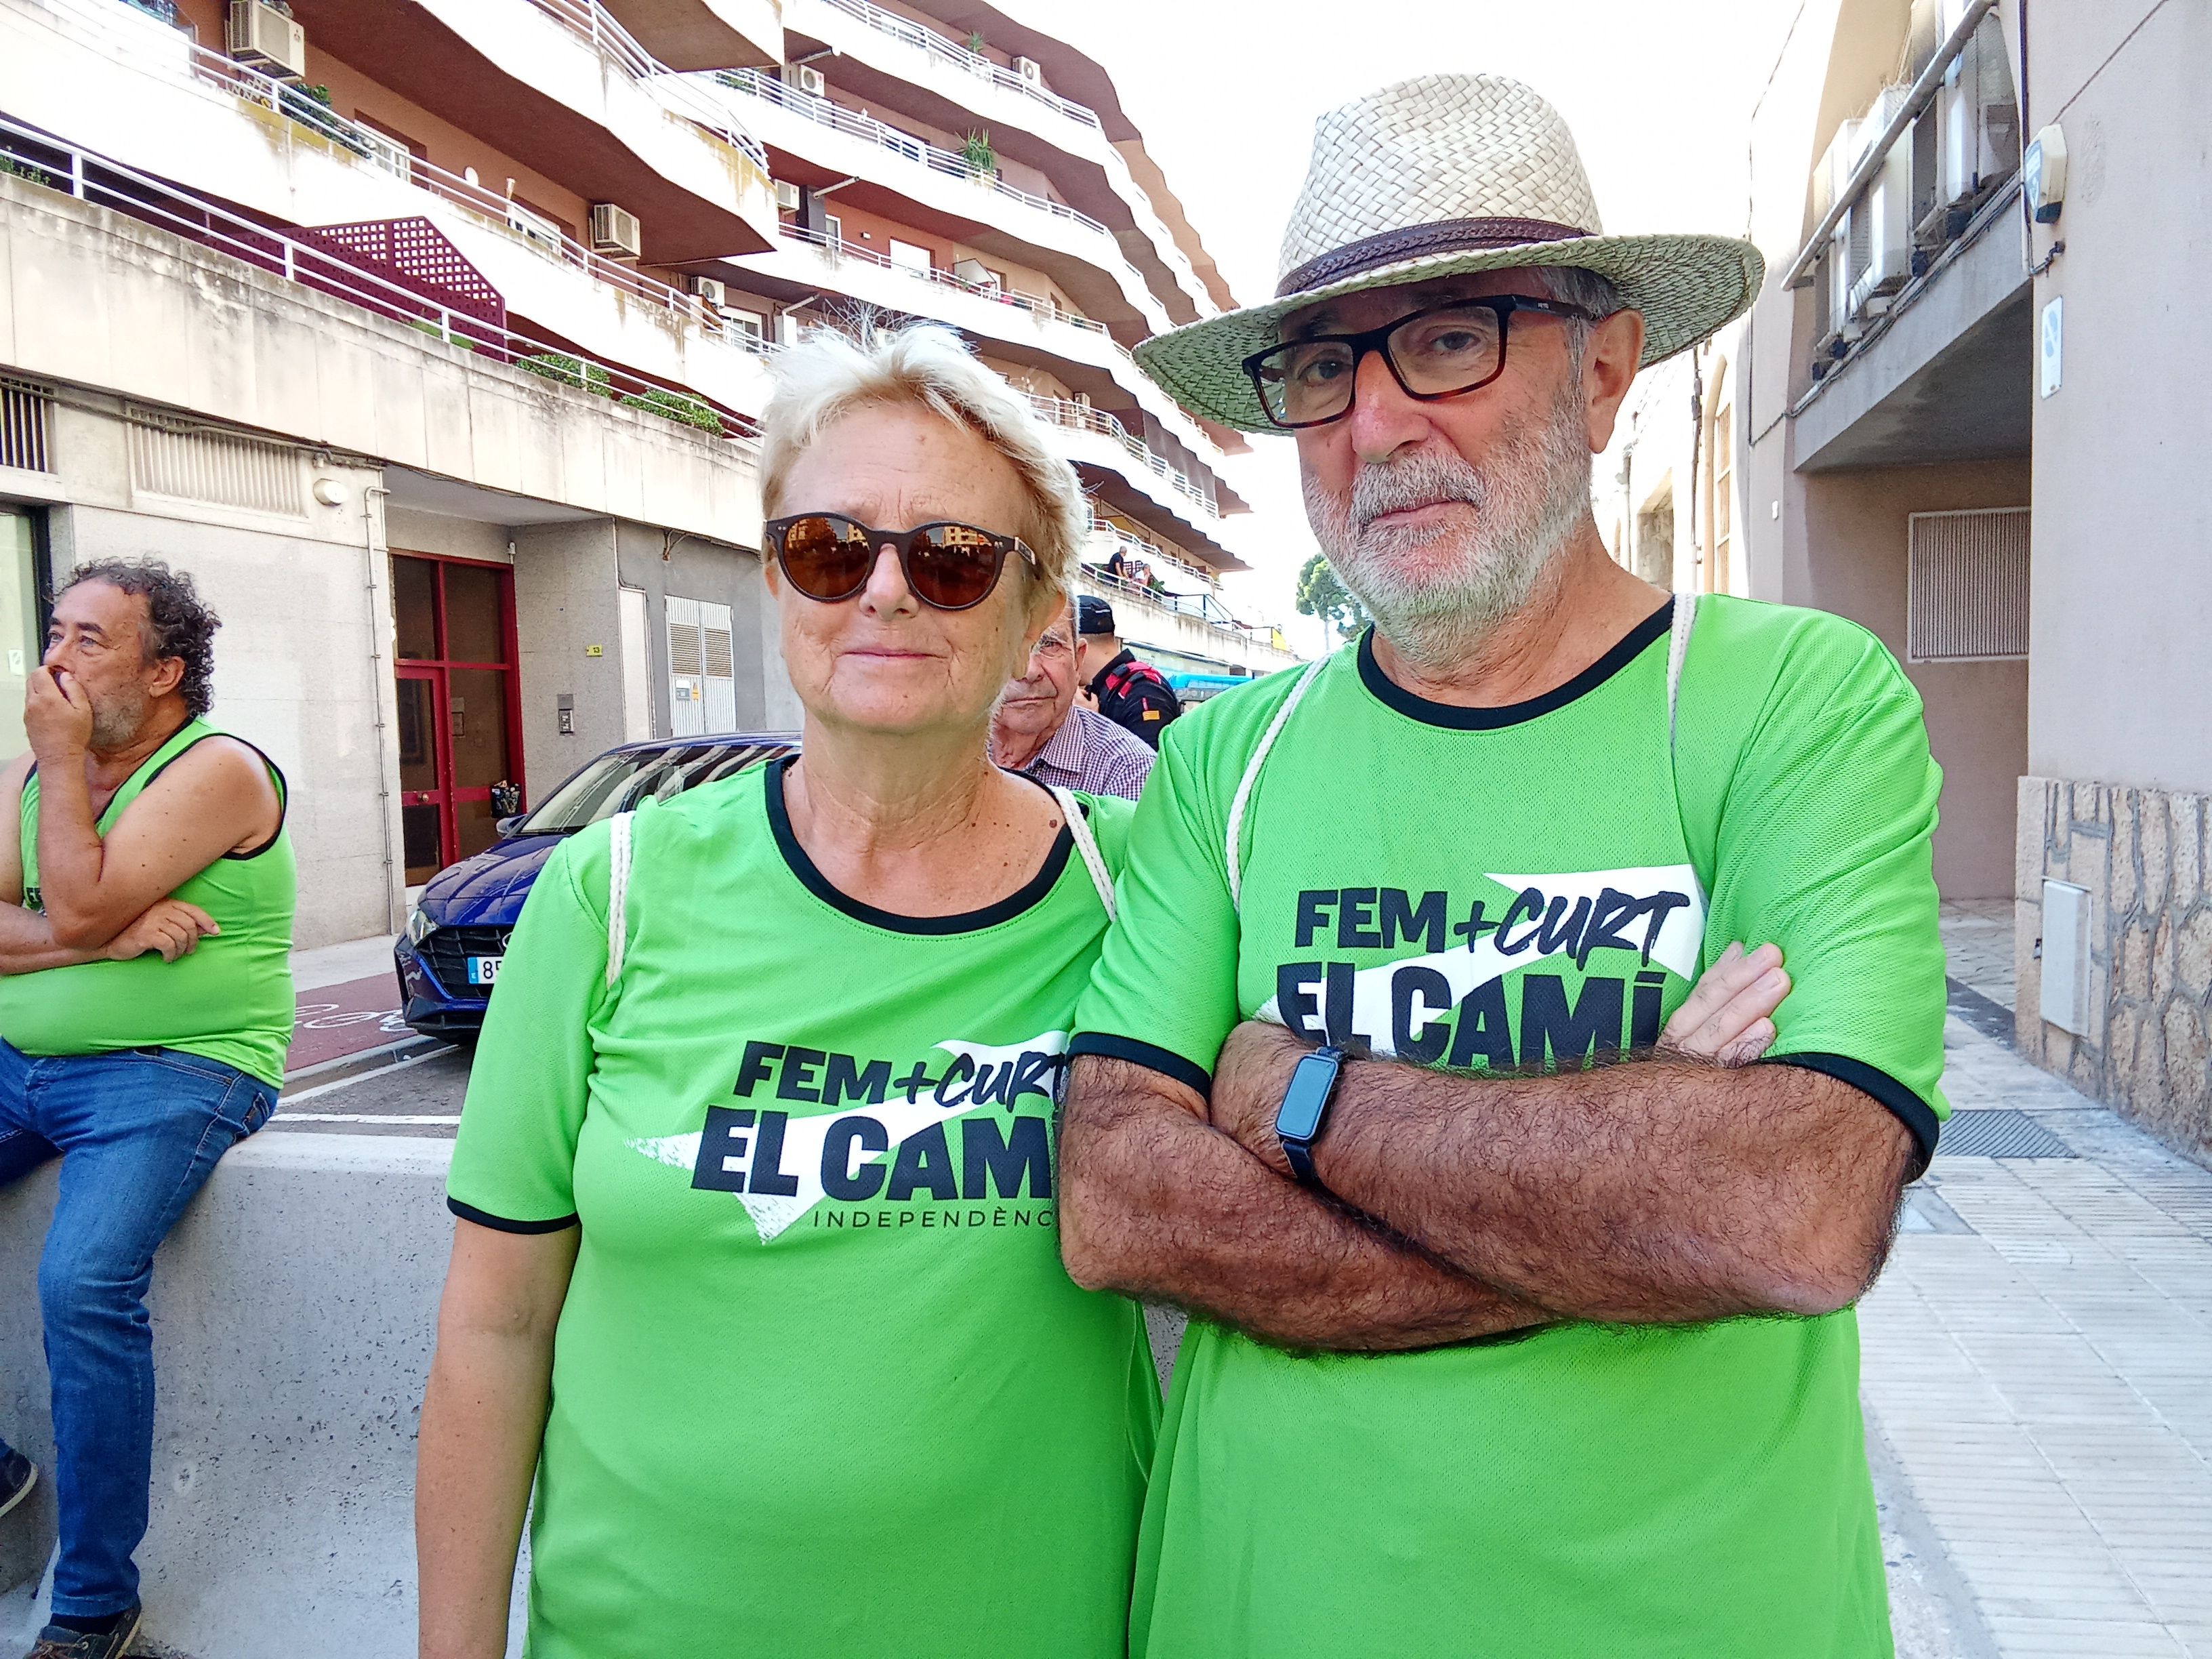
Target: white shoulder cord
(617, 894)
(1678, 647)
(1079, 825)
(1252, 776)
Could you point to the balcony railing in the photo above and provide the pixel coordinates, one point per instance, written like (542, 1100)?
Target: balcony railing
(1036, 305)
(924, 39)
(57, 164)
(212, 72)
(590, 22)
(1110, 537)
(821, 111)
(1061, 411)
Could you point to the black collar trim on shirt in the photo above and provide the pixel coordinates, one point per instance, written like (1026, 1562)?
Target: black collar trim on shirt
(1452, 716)
(969, 921)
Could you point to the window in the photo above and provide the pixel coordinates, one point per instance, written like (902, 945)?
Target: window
(1968, 573)
(833, 227)
(910, 256)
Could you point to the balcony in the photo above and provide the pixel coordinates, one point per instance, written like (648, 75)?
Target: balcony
(901, 177)
(1028, 327)
(706, 35)
(894, 62)
(1141, 485)
(161, 104)
(373, 267)
(562, 87)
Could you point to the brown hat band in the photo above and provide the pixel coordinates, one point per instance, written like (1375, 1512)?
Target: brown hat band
(1445, 236)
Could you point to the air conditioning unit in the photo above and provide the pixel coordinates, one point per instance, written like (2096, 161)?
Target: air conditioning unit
(266, 37)
(614, 230)
(1031, 70)
(808, 79)
(1878, 229)
(710, 290)
(786, 196)
(1978, 117)
(1081, 400)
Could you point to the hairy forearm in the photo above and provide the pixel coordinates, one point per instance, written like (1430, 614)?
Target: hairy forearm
(1156, 1203)
(484, 1418)
(72, 860)
(1657, 1190)
(27, 944)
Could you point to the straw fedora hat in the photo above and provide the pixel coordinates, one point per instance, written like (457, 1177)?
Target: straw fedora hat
(1435, 177)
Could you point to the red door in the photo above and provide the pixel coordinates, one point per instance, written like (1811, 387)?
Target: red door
(460, 707)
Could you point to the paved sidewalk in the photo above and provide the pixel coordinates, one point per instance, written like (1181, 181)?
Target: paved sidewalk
(2039, 1385)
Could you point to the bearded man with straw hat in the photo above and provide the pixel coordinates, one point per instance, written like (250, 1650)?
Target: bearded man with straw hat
(1521, 1328)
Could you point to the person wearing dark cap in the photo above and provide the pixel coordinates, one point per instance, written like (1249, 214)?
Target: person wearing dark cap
(1128, 692)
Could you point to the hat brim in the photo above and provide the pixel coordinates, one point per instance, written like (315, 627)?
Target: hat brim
(1685, 287)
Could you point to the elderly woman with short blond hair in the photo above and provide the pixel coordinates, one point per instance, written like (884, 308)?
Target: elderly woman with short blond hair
(756, 1273)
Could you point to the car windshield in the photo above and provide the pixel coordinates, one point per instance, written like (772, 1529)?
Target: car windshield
(620, 782)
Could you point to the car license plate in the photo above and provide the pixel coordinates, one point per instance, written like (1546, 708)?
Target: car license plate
(483, 970)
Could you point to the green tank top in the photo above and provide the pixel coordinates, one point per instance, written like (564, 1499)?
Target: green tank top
(231, 999)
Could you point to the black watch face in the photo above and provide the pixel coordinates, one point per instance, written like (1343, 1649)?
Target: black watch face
(1299, 1117)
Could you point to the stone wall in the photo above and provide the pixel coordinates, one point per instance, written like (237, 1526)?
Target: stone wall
(2141, 854)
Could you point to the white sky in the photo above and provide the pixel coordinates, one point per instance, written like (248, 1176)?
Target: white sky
(1658, 92)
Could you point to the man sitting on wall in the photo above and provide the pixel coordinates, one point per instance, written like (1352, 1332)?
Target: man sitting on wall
(1132, 693)
(1042, 731)
(146, 1004)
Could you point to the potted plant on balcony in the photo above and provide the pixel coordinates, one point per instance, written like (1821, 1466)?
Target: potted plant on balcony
(977, 151)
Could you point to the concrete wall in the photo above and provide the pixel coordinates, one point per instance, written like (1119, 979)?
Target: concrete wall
(1851, 558)
(295, 1309)
(565, 603)
(2123, 585)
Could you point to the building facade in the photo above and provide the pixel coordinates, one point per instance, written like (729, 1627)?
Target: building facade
(1967, 413)
(430, 335)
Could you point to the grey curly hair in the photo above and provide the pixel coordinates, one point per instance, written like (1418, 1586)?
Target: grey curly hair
(179, 624)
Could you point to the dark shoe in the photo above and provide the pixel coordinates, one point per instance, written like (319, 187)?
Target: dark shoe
(60, 1641)
(18, 1475)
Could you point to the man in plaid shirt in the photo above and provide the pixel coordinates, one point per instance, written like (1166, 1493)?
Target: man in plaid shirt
(1041, 730)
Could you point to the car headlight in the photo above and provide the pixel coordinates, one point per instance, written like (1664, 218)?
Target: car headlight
(418, 924)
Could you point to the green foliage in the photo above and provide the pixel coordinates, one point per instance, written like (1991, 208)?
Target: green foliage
(570, 371)
(676, 407)
(978, 153)
(976, 41)
(1322, 594)
(28, 173)
(437, 333)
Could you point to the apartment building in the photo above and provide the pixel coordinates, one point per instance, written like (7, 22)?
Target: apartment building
(430, 336)
(1969, 412)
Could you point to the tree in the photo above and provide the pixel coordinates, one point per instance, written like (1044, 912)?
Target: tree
(1322, 594)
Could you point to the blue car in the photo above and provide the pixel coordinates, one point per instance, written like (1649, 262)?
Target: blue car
(448, 958)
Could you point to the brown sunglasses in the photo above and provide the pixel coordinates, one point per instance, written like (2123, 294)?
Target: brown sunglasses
(950, 566)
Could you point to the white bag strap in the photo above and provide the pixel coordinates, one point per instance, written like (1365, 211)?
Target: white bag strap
(619, 846)
(1079, 825)
(1678, 647)
(1235, 865)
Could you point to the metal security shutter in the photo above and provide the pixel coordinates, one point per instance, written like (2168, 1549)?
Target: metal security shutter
(719, 671)
(1968, 581)
(687, 692)
(170, 455)
(23, 414)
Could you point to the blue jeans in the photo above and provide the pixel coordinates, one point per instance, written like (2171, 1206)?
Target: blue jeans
(137, 1133)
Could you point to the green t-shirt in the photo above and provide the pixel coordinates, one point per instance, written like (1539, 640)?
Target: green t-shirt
(231, 999)
(1539, 884)
(821, 1386)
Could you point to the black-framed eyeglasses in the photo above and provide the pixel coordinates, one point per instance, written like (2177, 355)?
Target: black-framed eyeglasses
(949, 565)
(1438, 352)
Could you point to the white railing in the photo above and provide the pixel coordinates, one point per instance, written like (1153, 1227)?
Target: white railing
(1038, 305)
(1062, 411)
(1111, 537)
(98, 179)
(590, 22)
(821, 111)
(924, 39)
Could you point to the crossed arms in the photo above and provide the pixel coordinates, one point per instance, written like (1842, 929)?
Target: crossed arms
(1662, 1190)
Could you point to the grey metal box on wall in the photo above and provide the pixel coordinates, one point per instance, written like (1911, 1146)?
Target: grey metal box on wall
(2066, 956)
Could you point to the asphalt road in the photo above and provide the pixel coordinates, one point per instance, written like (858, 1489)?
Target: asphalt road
(416, 1091)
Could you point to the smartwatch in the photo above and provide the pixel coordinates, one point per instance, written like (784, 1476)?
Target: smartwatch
(1304, 1111)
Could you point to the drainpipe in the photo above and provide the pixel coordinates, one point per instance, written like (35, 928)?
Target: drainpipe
(378, 676)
